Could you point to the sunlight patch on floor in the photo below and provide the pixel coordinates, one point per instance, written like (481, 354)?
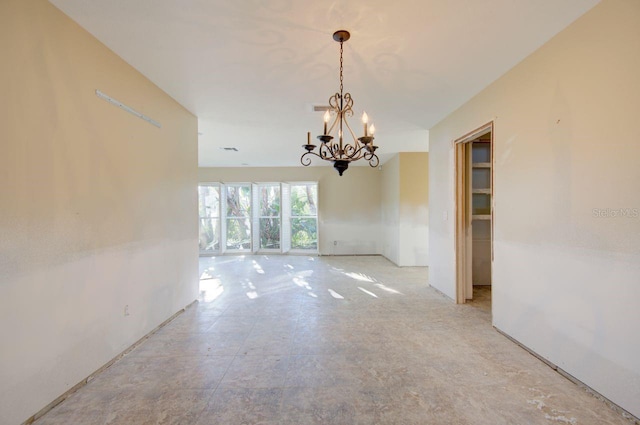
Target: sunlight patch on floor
(206, 275)
(360, 276)
(334, 294)
(368, 292)
(301, 283)
(386, 288)
(210, 289)
(257, 267)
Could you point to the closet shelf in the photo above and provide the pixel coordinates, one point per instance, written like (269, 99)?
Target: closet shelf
(481, 165)
(482, 191)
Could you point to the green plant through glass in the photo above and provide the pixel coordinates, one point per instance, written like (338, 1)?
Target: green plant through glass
(270, 217)
(238, 217)
(304, 216)
(209, 211)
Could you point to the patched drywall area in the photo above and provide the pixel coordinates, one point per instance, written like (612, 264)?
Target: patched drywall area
(99, 243)
(566, 248)
(348, 206)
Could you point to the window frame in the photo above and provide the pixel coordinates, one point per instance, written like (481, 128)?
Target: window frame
(254, 216)
(258, 216)
(218, 218)
(248, 217)
(315, 217)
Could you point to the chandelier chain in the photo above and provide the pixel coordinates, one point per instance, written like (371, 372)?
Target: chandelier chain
(341, 87)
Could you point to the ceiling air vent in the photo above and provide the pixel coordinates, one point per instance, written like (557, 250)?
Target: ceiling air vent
(320, 108)
(230, 149)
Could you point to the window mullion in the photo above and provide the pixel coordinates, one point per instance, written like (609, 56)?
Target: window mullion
(285, 214)
(255, 218)
(223, 218)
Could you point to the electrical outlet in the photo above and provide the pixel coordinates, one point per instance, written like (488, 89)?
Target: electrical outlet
(126, 310)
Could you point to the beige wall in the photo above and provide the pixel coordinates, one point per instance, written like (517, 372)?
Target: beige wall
(348, 206)
(414, 209)
(97, 207)
(405, 209)
(565, 276)
(390, 209)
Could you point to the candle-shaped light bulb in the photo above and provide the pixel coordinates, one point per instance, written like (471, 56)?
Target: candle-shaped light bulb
(372, 129)
(327, 117)
(308, 137)
(365, 120)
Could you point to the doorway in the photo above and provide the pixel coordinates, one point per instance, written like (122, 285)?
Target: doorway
(474, 216)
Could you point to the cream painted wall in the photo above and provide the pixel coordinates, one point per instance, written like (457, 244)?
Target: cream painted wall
(414, 209)
(405, 210)
(566, 271)
(97, 207)
(349, 206)
(390, 209)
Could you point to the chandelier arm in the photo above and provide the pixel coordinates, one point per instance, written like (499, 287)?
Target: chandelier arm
(359, 153)
(304, 160)
(374, 161)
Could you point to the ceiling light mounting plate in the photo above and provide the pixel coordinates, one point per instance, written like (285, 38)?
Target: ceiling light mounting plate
(341, 36)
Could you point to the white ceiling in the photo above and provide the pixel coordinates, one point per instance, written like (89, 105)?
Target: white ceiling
(251, 69)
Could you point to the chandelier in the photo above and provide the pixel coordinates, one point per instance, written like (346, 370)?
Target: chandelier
(336, 149)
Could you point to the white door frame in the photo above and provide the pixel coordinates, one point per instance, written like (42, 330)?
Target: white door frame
(462, 238)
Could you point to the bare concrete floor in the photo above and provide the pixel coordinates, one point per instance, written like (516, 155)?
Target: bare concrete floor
(481, 298)
(327, 340)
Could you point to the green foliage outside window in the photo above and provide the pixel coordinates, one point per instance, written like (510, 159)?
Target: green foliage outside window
(209, 234)
(270, 217)
(238, 217)
(304, 233)
(304, 223)
(209, 211)
(238, 233)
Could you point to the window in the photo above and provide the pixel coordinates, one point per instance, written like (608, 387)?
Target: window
(238, 217)
(269, 216)
(209, 212)
(304, 216)
(252, 217)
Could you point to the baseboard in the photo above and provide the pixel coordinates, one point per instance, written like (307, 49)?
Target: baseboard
(89, 378)
(624, 413)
